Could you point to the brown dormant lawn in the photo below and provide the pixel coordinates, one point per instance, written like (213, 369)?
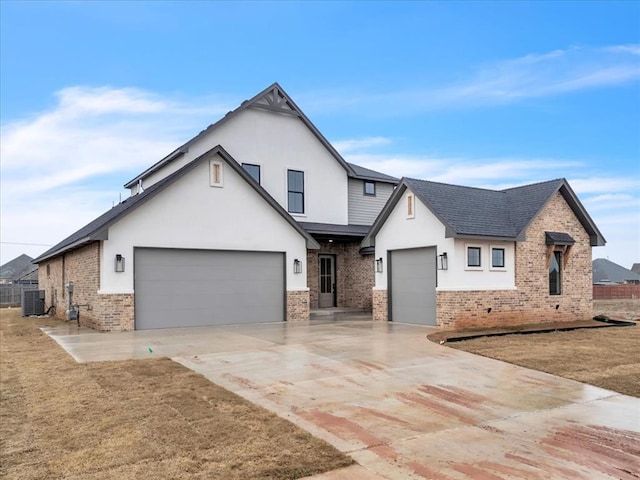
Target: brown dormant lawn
(134, 419)
(605, 357)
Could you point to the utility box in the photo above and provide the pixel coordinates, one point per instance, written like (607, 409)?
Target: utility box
(32, 302)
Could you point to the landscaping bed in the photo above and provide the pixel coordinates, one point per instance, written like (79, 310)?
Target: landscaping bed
(604, 357)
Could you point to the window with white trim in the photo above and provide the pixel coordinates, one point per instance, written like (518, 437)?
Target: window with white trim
(411, 211)
(295, 191)
(497, 257)
(216, 173)
(474, 256)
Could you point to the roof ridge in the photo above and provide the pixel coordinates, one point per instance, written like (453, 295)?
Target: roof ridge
(534, 184)
(454, 185)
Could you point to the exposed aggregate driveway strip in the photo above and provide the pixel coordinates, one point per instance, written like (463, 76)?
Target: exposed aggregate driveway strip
(401, 406)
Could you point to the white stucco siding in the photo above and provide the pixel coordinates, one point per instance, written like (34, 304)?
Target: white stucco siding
(278, 142)
(484, 278)
(425, 230)
(192, 214)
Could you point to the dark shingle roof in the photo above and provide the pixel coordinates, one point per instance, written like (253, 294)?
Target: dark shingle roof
(466, 210)
(14, 269)
(606, 271)
(368, 174)
(526, 201)
(477, 212)
(558, 238)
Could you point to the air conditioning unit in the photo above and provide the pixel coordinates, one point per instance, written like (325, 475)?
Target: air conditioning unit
(32, 302)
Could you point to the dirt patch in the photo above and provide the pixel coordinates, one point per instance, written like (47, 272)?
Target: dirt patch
(134, 419)
(604, 357)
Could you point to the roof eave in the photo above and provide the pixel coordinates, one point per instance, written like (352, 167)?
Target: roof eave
(373, 179)
(596, 239)
(177, 153)
(77, 244)
(472, 236)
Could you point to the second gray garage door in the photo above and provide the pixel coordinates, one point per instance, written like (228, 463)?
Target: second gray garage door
(413, 286)
(186, 288)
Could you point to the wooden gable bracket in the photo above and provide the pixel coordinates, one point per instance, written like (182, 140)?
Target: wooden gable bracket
(559, 242)
(276, 102)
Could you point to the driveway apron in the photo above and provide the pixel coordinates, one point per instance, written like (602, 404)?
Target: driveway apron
(400, 405)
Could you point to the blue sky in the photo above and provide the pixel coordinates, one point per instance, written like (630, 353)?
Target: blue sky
(489, 94)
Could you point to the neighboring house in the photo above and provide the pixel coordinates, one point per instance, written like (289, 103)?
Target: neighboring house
(461, 257)
(606, 272)
(635, 267)
(29, 278)
(13, 270)
(256, 219)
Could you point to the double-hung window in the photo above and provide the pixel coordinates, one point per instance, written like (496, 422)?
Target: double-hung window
(295, 191)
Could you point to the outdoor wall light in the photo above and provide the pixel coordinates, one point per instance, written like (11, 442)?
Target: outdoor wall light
(443, 264)
(119, 263)
(379, 265)
(297, 266)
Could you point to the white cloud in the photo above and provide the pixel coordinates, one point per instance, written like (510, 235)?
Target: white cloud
(500, 82)
(50, 159)
(358, 143)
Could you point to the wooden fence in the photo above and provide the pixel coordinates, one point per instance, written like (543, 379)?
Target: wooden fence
(609, 292)
(11, 295)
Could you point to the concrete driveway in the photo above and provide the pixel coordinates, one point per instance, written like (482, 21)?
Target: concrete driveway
(400, 405)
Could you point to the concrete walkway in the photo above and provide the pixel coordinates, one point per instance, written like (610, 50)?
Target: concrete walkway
(400, 405)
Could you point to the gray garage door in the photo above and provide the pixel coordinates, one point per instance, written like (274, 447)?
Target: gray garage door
(413, 286)
(185, 288)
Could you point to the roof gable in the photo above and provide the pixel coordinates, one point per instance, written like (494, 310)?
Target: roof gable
(468, 212)
(606, 270)
(17, 267)
(273, 99)
(98, 228)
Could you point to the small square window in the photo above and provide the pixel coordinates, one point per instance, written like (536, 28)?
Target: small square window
(474, 257)
(253, 170)
(370, 188)
(497, 257)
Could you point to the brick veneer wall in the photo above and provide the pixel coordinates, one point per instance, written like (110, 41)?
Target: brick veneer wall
(531, 301)
(380, 306)
(106, 312)
(354, 275)
(298, 306)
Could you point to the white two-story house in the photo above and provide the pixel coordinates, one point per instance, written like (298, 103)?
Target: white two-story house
(256, 219)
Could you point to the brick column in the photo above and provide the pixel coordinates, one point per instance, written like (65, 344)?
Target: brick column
(380, 306)
(298, 306)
